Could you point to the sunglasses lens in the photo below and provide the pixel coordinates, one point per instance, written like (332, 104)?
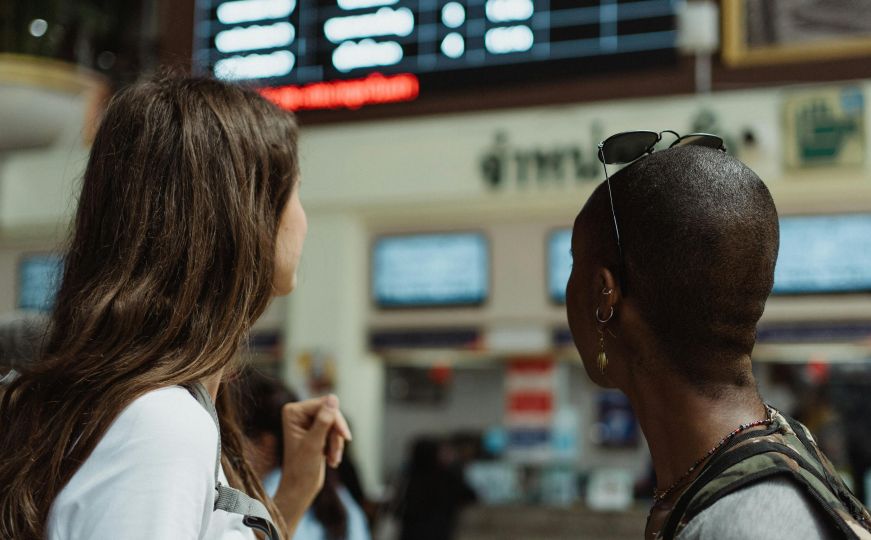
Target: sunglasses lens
(626, 147)
(700, 139)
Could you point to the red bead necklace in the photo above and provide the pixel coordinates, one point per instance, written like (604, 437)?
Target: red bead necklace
(659, 496)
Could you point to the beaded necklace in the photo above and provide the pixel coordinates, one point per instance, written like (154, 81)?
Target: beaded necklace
(660, 495)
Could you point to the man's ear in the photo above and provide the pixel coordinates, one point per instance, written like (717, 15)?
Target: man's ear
(607, 292)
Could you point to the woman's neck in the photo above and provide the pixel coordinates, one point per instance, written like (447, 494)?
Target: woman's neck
(682, 423)
(212, 383)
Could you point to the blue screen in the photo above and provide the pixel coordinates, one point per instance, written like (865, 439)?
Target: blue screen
(38, 280)
(824, 254)
(428, 270)
(559, 263)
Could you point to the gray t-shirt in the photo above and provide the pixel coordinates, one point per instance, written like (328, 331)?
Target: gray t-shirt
(775, 509)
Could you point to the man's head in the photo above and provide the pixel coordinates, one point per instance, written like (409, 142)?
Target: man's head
(699, 232)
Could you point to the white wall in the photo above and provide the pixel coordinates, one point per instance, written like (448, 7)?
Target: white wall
(433, 162)
(325, 317)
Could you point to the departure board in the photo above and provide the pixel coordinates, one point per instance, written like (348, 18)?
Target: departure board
(389, 50)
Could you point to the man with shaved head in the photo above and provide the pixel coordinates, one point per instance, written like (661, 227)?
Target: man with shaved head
(673, 263)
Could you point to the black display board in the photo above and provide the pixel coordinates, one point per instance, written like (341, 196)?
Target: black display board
(392, 50)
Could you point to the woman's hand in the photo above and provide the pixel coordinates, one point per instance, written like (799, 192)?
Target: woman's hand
(315, 433)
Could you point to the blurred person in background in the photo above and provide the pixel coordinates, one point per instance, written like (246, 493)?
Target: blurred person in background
(433, 492)
(189, 221)
(334, 514)
(21, 339)
(673, 262)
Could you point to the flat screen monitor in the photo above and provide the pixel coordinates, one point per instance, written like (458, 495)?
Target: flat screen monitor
(559, 263)
(824, 254)
(431, 270)
(38, 280)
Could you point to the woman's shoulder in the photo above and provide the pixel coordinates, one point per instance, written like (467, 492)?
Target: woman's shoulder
(167, 417)
(162, 431)
(168, 406)
(152, 472)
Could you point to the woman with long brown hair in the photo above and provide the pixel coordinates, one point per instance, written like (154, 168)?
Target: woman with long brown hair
(188, 222)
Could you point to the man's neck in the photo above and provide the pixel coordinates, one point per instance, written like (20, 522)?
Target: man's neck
(682, 423)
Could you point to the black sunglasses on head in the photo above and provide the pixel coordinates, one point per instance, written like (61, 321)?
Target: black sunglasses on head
(629, 146)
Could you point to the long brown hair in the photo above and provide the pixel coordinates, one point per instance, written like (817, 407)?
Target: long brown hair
(170, 262)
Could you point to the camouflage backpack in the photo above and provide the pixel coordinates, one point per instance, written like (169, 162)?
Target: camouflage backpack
(785, 447)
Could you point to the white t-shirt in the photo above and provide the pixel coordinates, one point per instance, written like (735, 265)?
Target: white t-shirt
(151, 476)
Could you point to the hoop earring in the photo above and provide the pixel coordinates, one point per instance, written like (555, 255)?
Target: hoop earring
(604, 321)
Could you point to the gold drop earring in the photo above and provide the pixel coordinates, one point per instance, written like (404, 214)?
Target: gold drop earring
(602, 358)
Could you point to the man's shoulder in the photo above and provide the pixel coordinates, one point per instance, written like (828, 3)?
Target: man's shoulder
(777, 507)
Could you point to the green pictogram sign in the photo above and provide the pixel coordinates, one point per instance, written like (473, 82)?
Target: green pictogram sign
(825, 127)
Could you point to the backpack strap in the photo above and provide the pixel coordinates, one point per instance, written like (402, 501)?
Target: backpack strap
(231, 500)
(852, 504)
(688, 507)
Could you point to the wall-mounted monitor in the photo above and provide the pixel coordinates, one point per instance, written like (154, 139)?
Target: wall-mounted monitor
(39, 277)
(559, 263)
(431, 270)
(824, 254)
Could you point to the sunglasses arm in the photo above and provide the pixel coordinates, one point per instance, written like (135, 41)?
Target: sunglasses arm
(613, 216)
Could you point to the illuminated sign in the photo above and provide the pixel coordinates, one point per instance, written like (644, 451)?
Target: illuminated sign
(375, 88)
(293, 44)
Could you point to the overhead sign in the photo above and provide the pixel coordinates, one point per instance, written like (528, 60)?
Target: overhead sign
(291, 44)
(505, 163)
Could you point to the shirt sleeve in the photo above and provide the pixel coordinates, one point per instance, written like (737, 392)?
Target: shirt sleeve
(775, 509)
(151, 476)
